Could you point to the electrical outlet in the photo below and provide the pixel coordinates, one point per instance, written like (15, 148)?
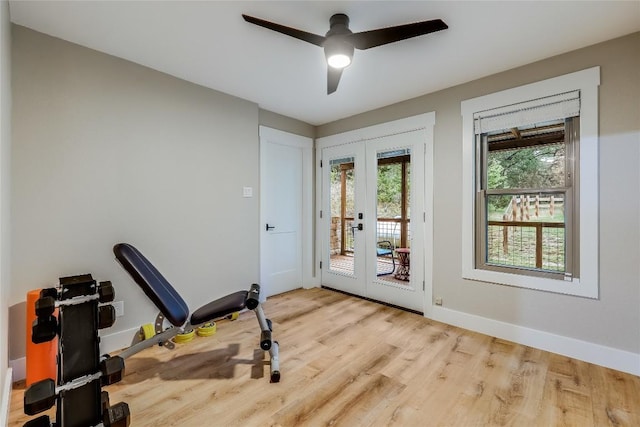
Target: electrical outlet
(119, 306)
(438, 301)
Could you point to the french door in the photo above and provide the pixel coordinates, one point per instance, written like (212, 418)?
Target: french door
(373, 218)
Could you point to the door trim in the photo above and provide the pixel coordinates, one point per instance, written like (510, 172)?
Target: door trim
(424, 121)
(276, 136)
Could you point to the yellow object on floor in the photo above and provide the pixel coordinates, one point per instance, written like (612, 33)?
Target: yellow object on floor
(147, 331)
(207, 330)
(184, 337)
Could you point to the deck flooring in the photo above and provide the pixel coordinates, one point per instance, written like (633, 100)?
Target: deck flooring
(344, 264)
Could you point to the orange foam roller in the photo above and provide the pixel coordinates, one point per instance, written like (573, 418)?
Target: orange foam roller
(41, 358)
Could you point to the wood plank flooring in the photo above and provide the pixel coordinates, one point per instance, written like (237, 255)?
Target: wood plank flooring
(350, 362)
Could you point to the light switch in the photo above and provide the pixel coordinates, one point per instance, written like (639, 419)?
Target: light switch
(247, 192)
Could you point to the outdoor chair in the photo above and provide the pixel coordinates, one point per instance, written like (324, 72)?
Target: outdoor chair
(384, 248)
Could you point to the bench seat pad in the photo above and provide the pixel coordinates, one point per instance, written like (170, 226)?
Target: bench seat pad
(219, 308)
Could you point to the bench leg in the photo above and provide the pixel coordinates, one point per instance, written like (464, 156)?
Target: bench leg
(156, 339)
(267, 343)
(274, 352)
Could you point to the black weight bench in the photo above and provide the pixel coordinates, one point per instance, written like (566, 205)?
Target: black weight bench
(176, 311)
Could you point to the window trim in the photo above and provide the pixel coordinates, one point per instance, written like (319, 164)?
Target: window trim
(587, 82)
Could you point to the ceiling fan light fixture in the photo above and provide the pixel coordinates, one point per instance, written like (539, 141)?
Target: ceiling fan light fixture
(339, 60)
(338, 53)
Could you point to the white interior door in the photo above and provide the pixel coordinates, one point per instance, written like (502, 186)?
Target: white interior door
(282, 178)
(374, 246)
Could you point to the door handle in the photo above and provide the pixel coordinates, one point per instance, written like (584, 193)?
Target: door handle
(359, 227)
(269, 227)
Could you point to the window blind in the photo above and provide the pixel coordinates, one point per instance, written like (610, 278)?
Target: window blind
(540, 110)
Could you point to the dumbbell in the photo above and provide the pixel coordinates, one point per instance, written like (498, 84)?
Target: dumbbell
(45, 306)
(106, 292)
(117, 415)
(112, 369)
(49, 292)
(106, 316)
(40, 396)
(45, 327)
(42, 421)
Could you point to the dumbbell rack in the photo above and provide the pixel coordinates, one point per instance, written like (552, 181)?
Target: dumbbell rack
(82, 372)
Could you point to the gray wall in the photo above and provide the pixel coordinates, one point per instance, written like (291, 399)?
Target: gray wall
(107, 151)
(5, 175)
(287, 124)
(614, 319)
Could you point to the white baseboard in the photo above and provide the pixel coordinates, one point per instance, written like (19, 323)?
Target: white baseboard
(5, 403)
(609, 357)
(19, 367)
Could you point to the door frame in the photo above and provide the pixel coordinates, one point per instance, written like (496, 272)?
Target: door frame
(275, 136)
(424, 121)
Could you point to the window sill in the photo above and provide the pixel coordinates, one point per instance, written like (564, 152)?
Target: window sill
(568, 286)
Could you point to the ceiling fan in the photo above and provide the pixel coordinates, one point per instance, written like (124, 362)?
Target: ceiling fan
(340, 41)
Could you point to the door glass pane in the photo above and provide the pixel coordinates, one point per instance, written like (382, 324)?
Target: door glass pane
(342, 199)
(392, 216)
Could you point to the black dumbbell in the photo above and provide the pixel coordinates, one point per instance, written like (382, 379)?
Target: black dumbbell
(40, 396)
(112, 369)
(42, 421)
(49, 292)
(44, 329)
(117, 415)
(106, 292)
(106, 316)
(45, 306)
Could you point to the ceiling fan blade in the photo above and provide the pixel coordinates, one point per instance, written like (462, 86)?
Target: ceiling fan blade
(333, 77)
(293, 32)
(382, 36)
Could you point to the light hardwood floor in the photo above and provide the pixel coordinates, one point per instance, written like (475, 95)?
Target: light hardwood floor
(350, 362)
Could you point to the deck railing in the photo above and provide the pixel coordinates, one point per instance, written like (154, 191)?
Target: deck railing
(526, 244)
(394, 230)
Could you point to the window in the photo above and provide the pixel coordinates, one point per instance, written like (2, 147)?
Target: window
(524, 212)
(530, 186)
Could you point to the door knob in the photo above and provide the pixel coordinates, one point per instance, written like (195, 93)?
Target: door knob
(269, 227)
(359, 227)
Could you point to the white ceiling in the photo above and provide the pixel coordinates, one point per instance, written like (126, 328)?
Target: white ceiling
(208, 43)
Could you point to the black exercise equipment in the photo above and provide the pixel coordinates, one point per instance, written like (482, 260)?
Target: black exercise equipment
(174, 309)
(82, 372)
